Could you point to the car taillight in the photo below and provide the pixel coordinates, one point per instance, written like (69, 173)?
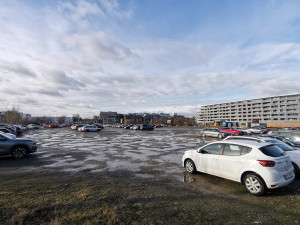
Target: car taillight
(265, 163)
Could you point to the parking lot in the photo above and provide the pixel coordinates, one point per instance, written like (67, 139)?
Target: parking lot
(122, 176)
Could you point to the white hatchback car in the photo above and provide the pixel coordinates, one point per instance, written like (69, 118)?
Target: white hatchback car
(293, 153)
(257, 165)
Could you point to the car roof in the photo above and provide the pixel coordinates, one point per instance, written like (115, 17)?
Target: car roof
(246, 142)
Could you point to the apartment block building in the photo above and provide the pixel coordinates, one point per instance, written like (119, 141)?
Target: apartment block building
(275, 111)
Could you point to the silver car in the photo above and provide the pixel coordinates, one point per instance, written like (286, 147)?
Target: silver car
(213, 132)
(17, 148)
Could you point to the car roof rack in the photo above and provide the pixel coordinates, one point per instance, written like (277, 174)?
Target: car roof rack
(244, 138)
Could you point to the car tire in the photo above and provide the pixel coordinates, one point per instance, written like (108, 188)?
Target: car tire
(87, 130)
(220, 136)
(190, 166)
(296, 170)
(236, 134)
(203, 135)
(254, 184)
(18, 152)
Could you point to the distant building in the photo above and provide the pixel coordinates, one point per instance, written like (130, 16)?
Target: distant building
(108, 117)
(275, 111)
(68, 120)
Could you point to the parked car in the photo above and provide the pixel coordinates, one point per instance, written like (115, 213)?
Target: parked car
(294, 154)
(258, 130)
(232, 131)
(135, 127)
(33, 126)
(291, 141)
(17, 148)
(6, 130)
(213, 132)
(146, 127)
(99, 125)
(8, 134)
(76, 126)
(54, 126)
(88, 128)
(257, 165)
(244, 130)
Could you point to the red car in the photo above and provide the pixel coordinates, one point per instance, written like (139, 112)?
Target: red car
(54, 126)
(232, 131)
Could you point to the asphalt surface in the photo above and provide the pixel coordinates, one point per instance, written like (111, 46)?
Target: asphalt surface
(146, 154)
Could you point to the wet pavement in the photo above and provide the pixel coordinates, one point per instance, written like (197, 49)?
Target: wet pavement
(145, 153)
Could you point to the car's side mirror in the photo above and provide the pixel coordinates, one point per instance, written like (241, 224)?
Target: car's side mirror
(201, 151)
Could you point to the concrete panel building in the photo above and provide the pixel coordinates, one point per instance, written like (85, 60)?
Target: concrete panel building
(275, 111)
(108, 117)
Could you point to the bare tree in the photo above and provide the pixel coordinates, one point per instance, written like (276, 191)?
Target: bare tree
(12, 116)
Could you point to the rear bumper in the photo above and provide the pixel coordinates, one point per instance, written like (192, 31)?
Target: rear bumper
(280, 180)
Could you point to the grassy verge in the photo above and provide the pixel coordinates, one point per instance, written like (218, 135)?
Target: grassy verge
(120, 198)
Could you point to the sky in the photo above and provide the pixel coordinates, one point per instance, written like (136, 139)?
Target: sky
(59, 58)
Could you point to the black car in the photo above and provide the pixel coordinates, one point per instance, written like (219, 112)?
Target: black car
(146, 127)
(6, 130)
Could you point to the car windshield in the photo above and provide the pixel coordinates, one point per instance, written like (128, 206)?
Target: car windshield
(272, 150)
(217, 129)
(290, 138)
(6, 136)
(280, 144)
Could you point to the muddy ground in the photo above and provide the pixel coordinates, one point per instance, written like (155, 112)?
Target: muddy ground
(120, 176)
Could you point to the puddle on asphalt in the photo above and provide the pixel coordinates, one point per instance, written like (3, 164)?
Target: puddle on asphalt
(147, 154)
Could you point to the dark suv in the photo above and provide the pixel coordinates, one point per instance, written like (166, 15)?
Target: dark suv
(17, 148)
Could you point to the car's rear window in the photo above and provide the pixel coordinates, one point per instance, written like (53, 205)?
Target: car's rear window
(272, 150)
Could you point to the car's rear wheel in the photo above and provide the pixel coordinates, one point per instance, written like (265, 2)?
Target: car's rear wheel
(18, 152)
(254, 184)
(236, 134)
(296, 170)
(190, 166)
(203, 135)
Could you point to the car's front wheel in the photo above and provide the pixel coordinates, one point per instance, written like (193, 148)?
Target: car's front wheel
(190, 166)
(254, 184)
(203, 135)
(18, 152)
(220, 136)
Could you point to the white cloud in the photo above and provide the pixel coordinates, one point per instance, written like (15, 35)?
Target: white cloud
(67, 59)
(113, 9)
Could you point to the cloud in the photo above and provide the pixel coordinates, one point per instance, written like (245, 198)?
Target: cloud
(16, 68)
(97, 46)
(113, 9)
(275, 87)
